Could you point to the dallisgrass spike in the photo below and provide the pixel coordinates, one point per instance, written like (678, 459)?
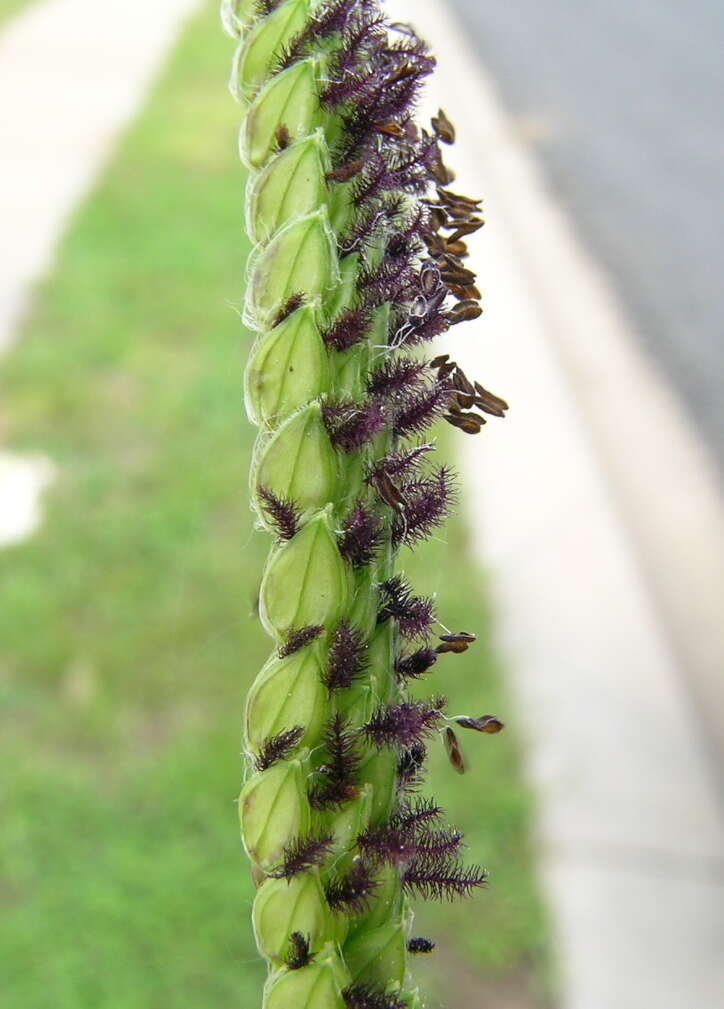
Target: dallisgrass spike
(359, 260)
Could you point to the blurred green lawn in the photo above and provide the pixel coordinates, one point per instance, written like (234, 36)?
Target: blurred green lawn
(126, 625)
(10, 7)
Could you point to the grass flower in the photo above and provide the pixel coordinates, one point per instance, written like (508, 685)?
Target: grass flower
(358, 264)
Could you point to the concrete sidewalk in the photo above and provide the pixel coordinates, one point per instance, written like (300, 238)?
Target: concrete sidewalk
(601, 523)
(72, 74)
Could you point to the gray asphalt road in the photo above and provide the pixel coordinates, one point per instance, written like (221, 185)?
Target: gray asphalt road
(624, 100)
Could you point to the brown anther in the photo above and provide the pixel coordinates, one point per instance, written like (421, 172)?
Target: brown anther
(445, 370)
(439, 361)
(345, 172)
(443, 128)
(406, 70)
(454, 750)
(436, 245)
(447, 197)
(391, 130)
(282, 137)
(390, 494)
(489, 724)
(452, 647)
(450, 260)
(458, 249)
(465, 311)
(469, 423)
(441, 173)
(438, 218)
(458, 215)
(488, 402)
(460, 276)
(467, 228)
(462, 382)
(460, 636)
(464, 401)
(429, 279)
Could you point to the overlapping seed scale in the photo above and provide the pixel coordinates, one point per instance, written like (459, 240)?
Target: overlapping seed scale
(296, 284)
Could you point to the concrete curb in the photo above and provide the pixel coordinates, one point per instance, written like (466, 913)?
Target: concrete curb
(569, 497)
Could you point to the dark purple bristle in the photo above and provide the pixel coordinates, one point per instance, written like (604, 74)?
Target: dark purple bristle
(407, 838)
(352, 892)
(362, 39)
(267, 6)
(411, 768)
(363, 996)
(423, 330)
(298, 955)
(368, 227)
(362, 535)
(281, 512)
(347, 659)
(438, 842)
(420, 945)
(302, 855)
(439, 877)
(336, 781)
(330, 19)
(420, 811)
(396, 376)
(387, 844)
(353, 425)
(351, 327)
(391, 280)
(376, 179)
(427, 504)
(398, 464)
(278, 747)
(299, 638)
(410, 237)
(404, 724)
(375, 97)
(292, 303)
(421, 410)
(410, 667)
(414, 615)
